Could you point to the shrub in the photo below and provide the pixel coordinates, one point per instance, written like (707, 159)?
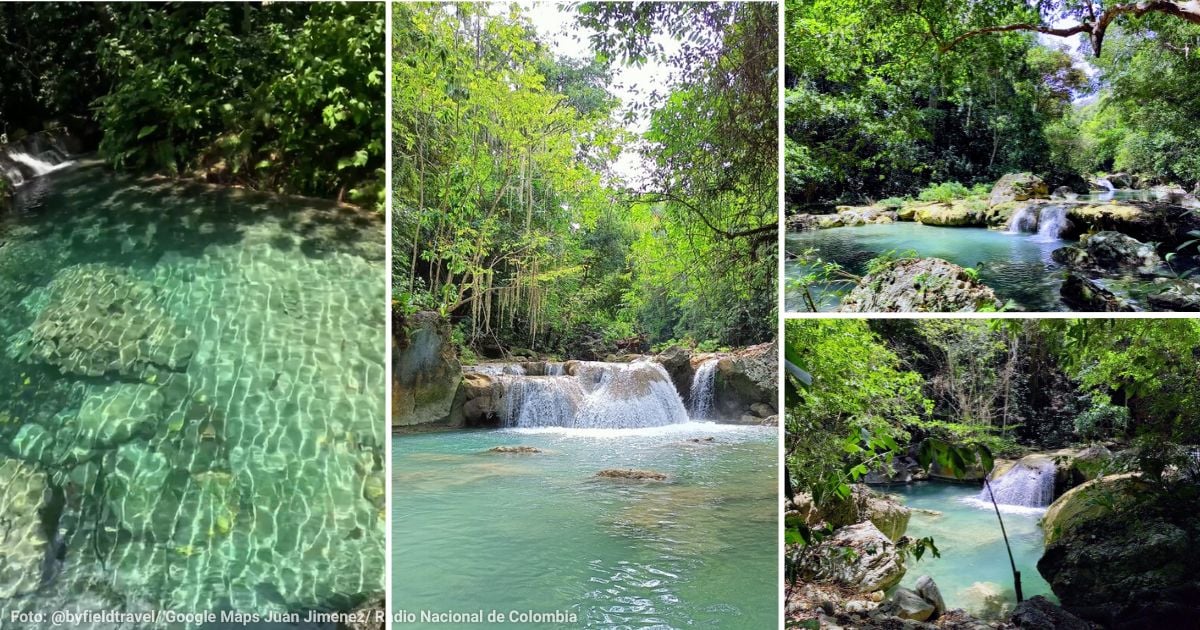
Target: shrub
(944, 192)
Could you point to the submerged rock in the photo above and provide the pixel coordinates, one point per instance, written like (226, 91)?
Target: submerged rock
(630, 473)
(1018, 187)
(858, 557)
(523, 450)
(986, 600)
(919, 285)
(24, 497)
(100, 320)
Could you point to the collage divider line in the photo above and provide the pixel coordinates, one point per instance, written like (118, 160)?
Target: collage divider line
(387, 315)
(780, 310)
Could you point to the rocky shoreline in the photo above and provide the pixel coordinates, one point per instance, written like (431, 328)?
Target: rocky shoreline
(1122, 245)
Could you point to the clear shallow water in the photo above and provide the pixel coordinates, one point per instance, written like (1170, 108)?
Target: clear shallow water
(476, 530)
(1017, 267)
(191, 416)
(968, 536)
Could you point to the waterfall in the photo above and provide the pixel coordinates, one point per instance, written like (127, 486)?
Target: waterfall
(1025, 219)
(1030, 483)
(1106, 184)
(596, 396)
(32, 157)
(1052, 220)
(703, 385)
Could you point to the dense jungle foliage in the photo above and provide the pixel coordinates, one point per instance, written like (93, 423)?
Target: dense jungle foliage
(885, 99)
(281, 97)
(509, 214)
(865, 391)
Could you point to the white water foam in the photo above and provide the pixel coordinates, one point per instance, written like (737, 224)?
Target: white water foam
(597, 396)
(1052, 220)
(1025, 219)
(703, 387)
(47, 162)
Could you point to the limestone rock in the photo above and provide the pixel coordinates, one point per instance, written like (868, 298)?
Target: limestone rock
(677, 361)
(956, 214)
(929, 591)
(1038, 613)
(630, 473)
(745, 378)
(24, 494)
(1084, 294)
(874, 564)
(907, 604)
(100, 320)
(1179, 295)
(1120, 180)
(1018, 187)
(986, 600)
(919, 285)
(1111, 251)
(864, 504)
(1090, 501)
(112, 415)
(426, 371)
(521, 450)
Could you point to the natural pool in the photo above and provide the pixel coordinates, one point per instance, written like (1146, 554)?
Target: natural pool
(1017, 267)
(974, 572)
(475, 530)
(192, 417)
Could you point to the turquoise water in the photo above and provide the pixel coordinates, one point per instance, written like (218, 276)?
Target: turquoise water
(192, 409)
(1017, 267)
(485, 531)
(967, 534)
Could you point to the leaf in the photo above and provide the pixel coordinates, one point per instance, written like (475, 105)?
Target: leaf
(145, 131)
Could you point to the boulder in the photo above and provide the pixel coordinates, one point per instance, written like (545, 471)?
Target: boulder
(802, 222)
(906, 213)
(745, 378)
(929, 591)
(1120, 180)
(1018, 187)
(1169, 194)
(956, 214)
(1179, 295)
(426, 371)
(1160, 223)
(826, 221)
(478, 399)
(1084, 294)
(919, 285)
(864, 504)
(1089, 501)
(677, 361)
(1113, 250)
(518, 450)
(1039, 613)
(907, 604)
(24, 498)
(1090, 463)
(1130, 568)
(1063, 192)
(858, 557)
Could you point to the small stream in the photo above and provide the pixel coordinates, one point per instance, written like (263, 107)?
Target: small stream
(973, 572)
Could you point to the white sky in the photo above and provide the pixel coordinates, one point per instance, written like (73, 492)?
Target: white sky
(565, 38)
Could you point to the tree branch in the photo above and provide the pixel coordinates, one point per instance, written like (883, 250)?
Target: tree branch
(1096, 26)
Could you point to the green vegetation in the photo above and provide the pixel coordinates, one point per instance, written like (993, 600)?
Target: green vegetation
(885, 100)
(280, 97)
(511, 214)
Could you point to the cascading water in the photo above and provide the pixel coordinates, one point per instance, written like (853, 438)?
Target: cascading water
(1052, 220)
(593, 396)
(703, 386)
(1027, 484)
(1025, 219)
(31, 158)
